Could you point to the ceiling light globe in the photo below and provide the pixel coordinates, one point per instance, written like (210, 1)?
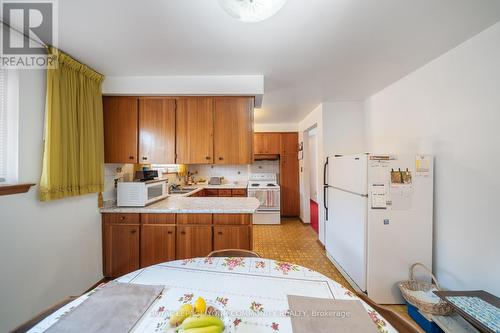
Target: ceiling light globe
(252, 10)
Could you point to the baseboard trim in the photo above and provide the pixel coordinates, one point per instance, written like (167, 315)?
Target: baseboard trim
(103, 280)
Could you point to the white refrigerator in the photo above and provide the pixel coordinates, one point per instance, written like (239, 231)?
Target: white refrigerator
(379, 219)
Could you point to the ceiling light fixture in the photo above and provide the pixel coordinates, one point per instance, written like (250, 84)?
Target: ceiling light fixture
(252, 10)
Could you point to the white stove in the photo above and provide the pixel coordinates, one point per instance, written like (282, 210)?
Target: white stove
(265, 188)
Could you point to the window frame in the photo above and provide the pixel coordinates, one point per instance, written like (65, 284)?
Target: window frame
(11, 87)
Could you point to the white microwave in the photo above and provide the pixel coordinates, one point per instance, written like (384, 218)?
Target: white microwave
(140, 194)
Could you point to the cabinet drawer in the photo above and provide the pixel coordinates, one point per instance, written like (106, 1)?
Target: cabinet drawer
(158, 218)
(194, 218)
(211, 192)
(239, 192)
(232, 219)
(129, 218)
(225, 193)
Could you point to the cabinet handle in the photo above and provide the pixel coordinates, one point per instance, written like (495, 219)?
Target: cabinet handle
(131, 157)
(221, 158)
(220, 232)
(144, 158)
(122, 218)
(183, 232)
(169, 232)
(208, 158)
(133, 231)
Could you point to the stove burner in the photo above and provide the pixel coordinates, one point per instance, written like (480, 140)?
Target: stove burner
(255, 185)
(271, 185)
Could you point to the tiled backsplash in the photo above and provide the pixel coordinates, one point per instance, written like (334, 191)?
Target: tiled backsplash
(231, 173)
(234, 173)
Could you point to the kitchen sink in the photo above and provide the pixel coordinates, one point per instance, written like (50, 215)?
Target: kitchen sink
(183, 190)
(180, 191)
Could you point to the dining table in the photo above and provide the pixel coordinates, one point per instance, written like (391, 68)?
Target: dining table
(251, 291)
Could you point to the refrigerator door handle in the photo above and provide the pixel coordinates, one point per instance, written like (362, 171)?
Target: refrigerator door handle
(325, 201)
(325, 168)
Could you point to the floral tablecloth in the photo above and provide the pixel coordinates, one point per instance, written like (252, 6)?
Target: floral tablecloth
(251, 291)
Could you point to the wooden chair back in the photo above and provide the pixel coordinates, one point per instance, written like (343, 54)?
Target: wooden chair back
(234, 253)
(400, 323)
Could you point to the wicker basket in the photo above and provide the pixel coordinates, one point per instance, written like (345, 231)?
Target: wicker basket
(411, 287)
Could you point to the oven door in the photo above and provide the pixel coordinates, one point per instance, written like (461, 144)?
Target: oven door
(269, 198)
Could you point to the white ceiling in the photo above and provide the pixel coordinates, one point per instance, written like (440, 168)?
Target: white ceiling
(312, 51)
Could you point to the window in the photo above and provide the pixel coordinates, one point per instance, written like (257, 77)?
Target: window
(9, 91)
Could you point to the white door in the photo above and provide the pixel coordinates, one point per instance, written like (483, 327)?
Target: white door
(346, 233)
(349, 173)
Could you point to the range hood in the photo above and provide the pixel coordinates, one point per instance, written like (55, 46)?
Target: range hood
(266, 157)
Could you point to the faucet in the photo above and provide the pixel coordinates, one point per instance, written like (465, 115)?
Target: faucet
(174, 187)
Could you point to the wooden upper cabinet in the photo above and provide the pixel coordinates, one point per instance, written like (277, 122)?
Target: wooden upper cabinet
(233, 130)
(290, 143)
(120, 129)
(266, 143)
(195, 118)
(157, 130)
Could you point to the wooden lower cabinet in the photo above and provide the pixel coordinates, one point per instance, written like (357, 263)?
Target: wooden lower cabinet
(133, 241)
(193, 241)
(232, 237)
(120, 249)
(157, 244)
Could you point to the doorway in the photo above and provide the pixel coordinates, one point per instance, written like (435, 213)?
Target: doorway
(312, 147)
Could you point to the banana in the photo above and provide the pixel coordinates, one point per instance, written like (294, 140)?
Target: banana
(200, 306)
(201, 321)
(207, 329)
(184, 311)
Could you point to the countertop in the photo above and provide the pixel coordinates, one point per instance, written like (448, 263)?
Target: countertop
(183, 204)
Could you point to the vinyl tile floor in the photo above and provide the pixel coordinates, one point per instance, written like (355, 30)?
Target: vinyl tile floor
(296, 242)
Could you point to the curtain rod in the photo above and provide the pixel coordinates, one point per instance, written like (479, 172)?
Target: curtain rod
(39, 42)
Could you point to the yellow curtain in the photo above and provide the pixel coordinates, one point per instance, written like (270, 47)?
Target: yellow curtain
(73, 159)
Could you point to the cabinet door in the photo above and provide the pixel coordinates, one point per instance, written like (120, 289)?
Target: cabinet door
(157, 244)
(193, 241)
(195, 118)
(289, 143)
(233, 130)
(225, 193)
(267, 143)
(211, 192)
(120, 115)
(157, 130)
(121, 249)
(289, 181)
(259, 143)
(237, 192)
(231, 237)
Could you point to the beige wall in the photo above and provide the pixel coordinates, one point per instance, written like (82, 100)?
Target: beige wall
(48, 250)
(451, 108)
